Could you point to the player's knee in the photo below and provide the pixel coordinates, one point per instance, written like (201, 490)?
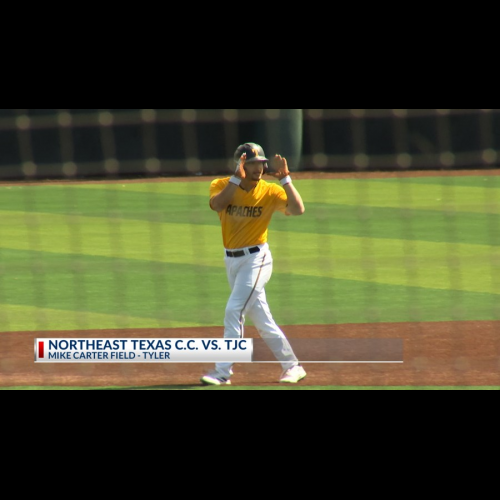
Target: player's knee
(234, 307)
(232, 314)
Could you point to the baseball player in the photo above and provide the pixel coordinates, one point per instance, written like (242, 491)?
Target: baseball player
(245, 204)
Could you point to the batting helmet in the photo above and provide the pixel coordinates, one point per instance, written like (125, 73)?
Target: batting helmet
(254, 153)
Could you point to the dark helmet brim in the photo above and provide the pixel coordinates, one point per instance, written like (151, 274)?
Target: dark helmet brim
(257, 158)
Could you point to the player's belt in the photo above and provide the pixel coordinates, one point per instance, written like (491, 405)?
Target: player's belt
(241, 253)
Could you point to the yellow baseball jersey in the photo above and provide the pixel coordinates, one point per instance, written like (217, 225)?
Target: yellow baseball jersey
(246, 220)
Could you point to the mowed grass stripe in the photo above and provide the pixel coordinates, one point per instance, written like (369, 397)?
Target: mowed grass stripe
(393, 223)
(447, 195)
(169, 295)
(16, 318)
(110, 203)
(377, 193)
(325, 216)
(388, 261)
(479, 181)
(111, 237)
(391, 261)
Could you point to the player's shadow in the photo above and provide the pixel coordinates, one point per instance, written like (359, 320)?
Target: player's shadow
(185, 387)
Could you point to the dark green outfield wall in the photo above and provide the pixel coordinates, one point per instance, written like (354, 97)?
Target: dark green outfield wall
(111, 142)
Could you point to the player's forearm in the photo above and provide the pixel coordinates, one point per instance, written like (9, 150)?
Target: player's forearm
(295, 203)
(224, 198)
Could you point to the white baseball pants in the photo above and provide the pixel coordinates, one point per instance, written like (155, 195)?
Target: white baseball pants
(248, 276)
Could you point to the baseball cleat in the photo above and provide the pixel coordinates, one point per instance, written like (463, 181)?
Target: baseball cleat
(293, 375)
(214, 379)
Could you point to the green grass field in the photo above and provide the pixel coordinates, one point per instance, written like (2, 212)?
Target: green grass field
(149, 255)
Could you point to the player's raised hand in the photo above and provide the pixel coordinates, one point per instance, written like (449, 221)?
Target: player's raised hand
(280, 167)
(240, 167)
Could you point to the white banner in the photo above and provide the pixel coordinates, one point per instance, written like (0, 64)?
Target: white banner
(143, 350)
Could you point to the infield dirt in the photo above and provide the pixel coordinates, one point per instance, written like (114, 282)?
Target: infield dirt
(435, 354)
